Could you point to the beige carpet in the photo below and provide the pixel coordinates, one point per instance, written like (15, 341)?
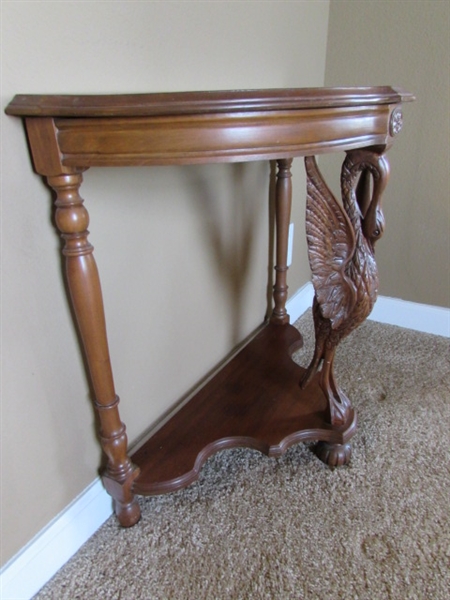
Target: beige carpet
(260, 528)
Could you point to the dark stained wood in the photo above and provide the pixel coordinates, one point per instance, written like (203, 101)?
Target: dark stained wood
(256, 400)
(181, 103)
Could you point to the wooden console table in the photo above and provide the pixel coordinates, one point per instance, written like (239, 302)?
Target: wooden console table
(261, 399)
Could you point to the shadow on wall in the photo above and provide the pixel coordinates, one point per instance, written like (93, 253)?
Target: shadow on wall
(232, 248)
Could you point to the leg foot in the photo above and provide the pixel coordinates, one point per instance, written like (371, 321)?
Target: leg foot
(127, 514)
(333, 455)
(126, 506)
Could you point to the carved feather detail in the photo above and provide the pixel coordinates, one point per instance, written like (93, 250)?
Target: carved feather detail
(341, 242)
(331, 247)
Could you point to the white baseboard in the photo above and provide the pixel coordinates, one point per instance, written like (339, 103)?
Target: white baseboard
(412, 315)
(392, 311)
(300, 302)
(24, 575)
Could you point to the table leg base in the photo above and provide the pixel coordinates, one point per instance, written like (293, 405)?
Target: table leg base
(127, 514)
(126, 506)
(333, 455)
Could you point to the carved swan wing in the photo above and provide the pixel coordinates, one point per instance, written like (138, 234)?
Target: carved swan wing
(331, 246)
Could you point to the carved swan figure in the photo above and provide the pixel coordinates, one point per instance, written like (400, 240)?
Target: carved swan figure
(341, 243)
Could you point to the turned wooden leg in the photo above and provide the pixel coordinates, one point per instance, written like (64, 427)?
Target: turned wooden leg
(283, 201)
(72, 220)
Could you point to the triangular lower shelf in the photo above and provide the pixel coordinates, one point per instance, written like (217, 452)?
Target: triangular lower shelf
(254, 401)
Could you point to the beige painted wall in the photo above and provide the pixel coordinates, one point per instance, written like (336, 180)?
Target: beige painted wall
(182, 252)
(405, 43)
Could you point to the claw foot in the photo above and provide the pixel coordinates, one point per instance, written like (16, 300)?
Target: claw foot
(333, 455)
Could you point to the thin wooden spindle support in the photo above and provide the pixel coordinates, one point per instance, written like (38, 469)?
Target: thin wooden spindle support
(283, 202)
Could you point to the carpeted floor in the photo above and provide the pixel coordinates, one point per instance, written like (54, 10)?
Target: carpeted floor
(259, 528)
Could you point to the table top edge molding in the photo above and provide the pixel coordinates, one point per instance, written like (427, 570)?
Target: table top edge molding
(169, 103)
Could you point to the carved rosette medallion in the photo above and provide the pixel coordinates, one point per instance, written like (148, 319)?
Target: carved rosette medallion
(396, 122)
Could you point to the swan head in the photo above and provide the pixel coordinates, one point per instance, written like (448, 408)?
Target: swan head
(373, 224)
